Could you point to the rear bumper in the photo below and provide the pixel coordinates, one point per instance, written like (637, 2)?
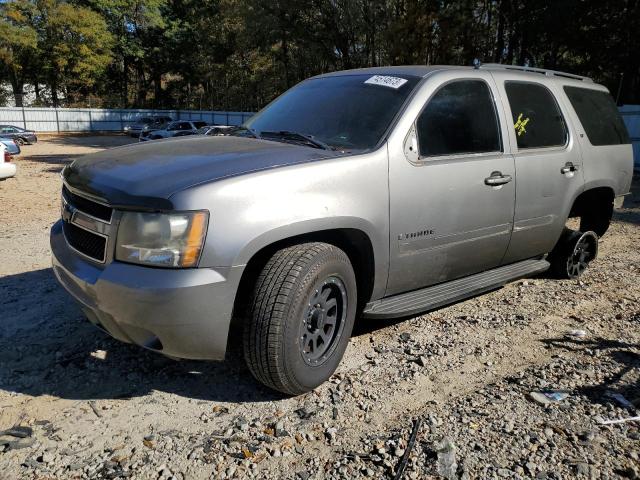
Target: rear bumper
(181, 313)
(7, 170)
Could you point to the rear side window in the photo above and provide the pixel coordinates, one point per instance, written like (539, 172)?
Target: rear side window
(459, 118)
(599, 116)
(536, 116)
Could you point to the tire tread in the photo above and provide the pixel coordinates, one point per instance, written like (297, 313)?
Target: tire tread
(266, 312)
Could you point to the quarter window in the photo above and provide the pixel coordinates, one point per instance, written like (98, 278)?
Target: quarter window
(599, 116)
(460, 118)
(536, 116)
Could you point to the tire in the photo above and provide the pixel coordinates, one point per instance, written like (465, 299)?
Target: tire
(20, 141)
(573, 253)
(288, 341)
(596, 217)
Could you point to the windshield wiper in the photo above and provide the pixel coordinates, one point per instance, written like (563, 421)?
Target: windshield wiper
(298, 137)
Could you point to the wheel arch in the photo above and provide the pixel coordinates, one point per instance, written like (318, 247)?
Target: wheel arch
(355, 242)
(603, 193)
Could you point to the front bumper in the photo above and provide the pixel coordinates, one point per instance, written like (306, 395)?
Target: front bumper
(180, 313)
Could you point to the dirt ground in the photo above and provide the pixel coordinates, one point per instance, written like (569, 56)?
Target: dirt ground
(461, 377)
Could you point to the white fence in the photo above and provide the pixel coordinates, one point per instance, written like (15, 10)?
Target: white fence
(103, 120)
(631, 116)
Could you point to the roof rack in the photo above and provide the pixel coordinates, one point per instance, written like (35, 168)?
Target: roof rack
(542, 71)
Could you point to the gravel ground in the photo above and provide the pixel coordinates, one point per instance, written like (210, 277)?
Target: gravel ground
(460, 379)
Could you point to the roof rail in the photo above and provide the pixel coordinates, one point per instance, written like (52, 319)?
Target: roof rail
(542, 71)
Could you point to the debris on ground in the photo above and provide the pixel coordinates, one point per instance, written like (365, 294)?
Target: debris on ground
(548, 397)
(447, 465)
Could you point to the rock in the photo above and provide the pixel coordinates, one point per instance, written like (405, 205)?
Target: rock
(279, 430)
(303, 475)
(305, 412)
(405, 336)
(582, 469)
(46, 457)
(330, 433)
(99, 354)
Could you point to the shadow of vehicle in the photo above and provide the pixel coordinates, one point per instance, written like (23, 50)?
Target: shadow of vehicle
(47, 347)
(618, 352)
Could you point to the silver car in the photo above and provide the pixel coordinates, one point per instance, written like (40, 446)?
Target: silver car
(180, 128)
(371, 193)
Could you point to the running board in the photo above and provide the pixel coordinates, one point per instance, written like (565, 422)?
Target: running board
(435, 296)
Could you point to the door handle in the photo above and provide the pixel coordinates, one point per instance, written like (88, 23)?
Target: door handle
(497, 178)
(568, 168)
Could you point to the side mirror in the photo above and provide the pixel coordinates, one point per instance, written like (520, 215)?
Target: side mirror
(411, 146)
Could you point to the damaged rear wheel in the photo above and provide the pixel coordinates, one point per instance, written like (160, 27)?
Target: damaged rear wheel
(573, 253)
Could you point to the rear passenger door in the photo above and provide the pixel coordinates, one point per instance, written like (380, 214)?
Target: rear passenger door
(548, 164)
(452, 190)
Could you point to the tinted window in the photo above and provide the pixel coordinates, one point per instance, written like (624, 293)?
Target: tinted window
(344, 111)
(199, 124)
(599, 116)
(459, 118)
(536, 116)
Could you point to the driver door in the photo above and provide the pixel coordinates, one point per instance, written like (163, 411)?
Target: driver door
(451, 185)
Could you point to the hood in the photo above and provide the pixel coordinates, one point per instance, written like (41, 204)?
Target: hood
(145, 175)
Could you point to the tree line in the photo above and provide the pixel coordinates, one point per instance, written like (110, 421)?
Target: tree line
(240, 54)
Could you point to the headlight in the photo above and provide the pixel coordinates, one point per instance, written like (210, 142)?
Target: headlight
(126, 128)
(171, 240)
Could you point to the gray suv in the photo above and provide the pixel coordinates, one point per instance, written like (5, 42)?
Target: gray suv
(371, 193)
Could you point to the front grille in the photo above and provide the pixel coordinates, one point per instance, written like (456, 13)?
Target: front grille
(87, 206)
(85, 242)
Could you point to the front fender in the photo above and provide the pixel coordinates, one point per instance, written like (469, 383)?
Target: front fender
(254, 210)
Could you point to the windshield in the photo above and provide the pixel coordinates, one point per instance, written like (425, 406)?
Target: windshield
(345, 112)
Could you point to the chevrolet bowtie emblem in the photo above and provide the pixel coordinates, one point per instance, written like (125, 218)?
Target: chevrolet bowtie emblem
(67, 212)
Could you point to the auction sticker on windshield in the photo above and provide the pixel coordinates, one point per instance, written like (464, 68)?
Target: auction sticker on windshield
(386, 81)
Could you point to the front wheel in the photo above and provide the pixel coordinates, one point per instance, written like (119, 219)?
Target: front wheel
(299, 317)
(19, 141)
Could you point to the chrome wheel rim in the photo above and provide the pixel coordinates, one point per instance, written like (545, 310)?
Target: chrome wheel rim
(323, 321)
(582, 254)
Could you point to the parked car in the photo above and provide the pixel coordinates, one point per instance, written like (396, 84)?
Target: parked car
(214, 130)
(144, 124)
(178, 128)
(20, 135)
(12, 147)
(371, 193)
(7, 168)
